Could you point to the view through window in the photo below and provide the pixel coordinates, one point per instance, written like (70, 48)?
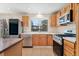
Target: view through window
(39, 25)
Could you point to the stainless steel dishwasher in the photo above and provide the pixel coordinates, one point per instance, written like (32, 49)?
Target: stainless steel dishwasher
(27, 42)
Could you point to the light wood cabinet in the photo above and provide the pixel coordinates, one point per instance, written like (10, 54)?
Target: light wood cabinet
(35, 40)
(69, 48)
(62, 11)
(50, 40)
(15, 50)
(25, 20)
(66, 8)
(58, 14)
(42, 40)
(77, 29)
(53, 20)
(71, 6)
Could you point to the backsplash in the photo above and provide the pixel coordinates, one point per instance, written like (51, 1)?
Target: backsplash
(64, 29)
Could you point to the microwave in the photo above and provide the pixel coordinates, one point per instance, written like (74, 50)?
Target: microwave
(66, 18)
(62, 20)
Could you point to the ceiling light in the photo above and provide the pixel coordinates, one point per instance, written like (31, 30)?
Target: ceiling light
(39, 15)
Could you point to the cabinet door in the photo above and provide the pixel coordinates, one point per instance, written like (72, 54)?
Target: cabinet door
(15, 50)
(50, 40)
(68, 48)
(62, 11)
(58, 14)
(25, 21)
(57, 17)
(77, 29)
(66, 8)
(75, 11)
(35, 40)
(53, 20)
(43, 40)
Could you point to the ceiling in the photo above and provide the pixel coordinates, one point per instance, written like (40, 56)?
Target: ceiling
(30, 8)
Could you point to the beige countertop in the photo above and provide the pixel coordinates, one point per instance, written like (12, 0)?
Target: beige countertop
(71, 39)
(38, 33)
(8, 42)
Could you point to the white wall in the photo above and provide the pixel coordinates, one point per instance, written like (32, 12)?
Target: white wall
(62, 29)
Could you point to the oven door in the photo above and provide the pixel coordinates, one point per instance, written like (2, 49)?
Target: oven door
(57, 48)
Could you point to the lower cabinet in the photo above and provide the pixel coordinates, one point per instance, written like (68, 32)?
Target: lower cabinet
(15, 50)
(35, 40)
(42, 40)
(69, 48)
(50, 40)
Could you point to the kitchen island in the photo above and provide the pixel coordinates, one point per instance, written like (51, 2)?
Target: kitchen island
(11, 47)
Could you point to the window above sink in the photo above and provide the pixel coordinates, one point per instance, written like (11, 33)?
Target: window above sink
(39, 25)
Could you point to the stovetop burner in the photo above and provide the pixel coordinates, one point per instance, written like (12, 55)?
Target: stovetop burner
(66, 35)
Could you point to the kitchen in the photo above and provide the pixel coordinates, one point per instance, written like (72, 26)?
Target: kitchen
(49, 31)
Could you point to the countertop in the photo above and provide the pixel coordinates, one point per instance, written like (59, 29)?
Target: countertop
(8, 42)
(38, 33)
(71, 39)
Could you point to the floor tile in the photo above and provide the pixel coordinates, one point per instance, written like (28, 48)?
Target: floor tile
(38, 51)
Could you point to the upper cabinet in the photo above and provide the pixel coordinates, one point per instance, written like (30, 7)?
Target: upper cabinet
(67, 14)
(25, 21)
(71, 6)
(66, 9)
(58, 14)
(53, 20)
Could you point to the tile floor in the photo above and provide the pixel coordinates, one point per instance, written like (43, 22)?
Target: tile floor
(38, 51)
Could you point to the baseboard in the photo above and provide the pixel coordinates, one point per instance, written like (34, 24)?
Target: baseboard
(27, 46)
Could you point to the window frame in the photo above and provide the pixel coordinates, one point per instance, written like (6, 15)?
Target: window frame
(41, 20)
